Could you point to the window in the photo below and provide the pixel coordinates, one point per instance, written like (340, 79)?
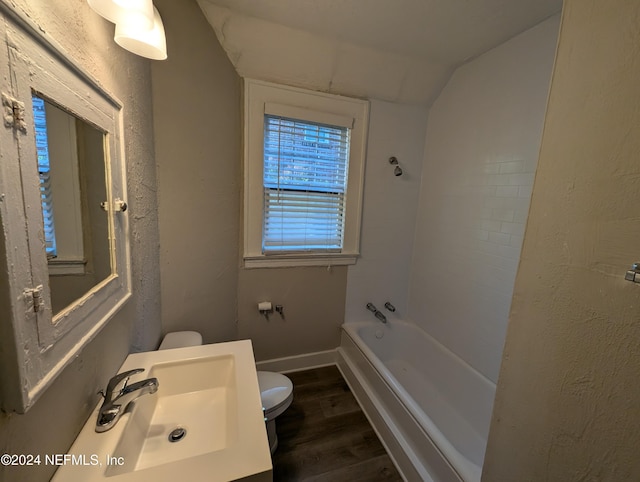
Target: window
(305, 182)
(304, 162)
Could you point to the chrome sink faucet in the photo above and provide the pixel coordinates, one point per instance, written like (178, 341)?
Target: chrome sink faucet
(115, 403)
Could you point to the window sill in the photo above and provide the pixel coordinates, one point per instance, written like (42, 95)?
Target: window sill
(287, 261)
(67, 266)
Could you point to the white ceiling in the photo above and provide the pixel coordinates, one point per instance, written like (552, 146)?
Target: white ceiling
(399, 50)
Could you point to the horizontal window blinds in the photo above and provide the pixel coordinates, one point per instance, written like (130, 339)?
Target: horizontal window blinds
(44, 170)
(305, 183)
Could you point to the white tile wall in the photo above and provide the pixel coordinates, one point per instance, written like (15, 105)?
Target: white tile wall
(390, 206)
(481, 152)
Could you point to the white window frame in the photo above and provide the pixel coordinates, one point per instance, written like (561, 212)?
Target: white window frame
(310, 106)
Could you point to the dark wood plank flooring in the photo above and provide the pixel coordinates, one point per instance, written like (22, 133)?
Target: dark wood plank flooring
(325, 436)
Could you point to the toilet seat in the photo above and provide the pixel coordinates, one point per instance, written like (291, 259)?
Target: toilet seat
(276, 392)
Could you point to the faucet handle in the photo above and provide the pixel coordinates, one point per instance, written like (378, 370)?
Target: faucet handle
(115, 381)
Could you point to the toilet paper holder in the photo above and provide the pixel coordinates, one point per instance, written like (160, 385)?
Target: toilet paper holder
(266, 308)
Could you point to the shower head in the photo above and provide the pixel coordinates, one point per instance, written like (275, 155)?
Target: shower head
(394, 162)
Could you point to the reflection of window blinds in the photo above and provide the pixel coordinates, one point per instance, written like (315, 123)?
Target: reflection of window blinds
(42, 149)
(305, 182)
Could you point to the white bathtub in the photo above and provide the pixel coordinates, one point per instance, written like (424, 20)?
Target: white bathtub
(431, 409)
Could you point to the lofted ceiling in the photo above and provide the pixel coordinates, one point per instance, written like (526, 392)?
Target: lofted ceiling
(396, 50)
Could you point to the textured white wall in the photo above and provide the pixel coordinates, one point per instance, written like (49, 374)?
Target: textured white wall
(482, 145)
(53, 422)
(566, 405)
(389, 213)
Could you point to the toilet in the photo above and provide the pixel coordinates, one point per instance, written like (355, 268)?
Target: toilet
(180, 339)
(276, 390)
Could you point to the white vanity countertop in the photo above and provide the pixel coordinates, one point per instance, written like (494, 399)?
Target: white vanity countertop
(212, 391)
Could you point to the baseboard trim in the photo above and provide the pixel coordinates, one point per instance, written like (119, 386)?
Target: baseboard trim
(298, 363)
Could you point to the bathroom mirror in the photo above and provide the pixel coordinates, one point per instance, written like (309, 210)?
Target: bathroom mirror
(64, 249)
(71, 168)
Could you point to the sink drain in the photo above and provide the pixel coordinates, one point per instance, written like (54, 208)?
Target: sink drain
(177, 434)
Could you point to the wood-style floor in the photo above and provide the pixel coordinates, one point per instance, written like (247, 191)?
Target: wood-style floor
(325, 436)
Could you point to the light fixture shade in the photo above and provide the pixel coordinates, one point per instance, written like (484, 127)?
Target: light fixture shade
(146, 43)
(137, 13)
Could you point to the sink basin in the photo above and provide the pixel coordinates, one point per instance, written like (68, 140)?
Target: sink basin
(207, 403)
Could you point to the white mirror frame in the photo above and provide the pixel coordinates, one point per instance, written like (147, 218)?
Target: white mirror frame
(35, 345)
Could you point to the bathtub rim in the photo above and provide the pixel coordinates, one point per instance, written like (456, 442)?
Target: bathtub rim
(347, 326)
(464, 468)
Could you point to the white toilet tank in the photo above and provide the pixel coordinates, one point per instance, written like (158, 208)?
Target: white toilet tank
(180, 339)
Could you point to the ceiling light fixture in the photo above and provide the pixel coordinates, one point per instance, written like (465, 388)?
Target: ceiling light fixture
(139, 27)
(147, 43)
(138, 12)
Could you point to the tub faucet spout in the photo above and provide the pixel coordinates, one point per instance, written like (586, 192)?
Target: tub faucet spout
(381, 316)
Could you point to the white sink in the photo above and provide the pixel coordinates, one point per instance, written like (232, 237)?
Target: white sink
(209, 391)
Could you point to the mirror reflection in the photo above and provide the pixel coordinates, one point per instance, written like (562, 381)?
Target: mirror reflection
(72, 170)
